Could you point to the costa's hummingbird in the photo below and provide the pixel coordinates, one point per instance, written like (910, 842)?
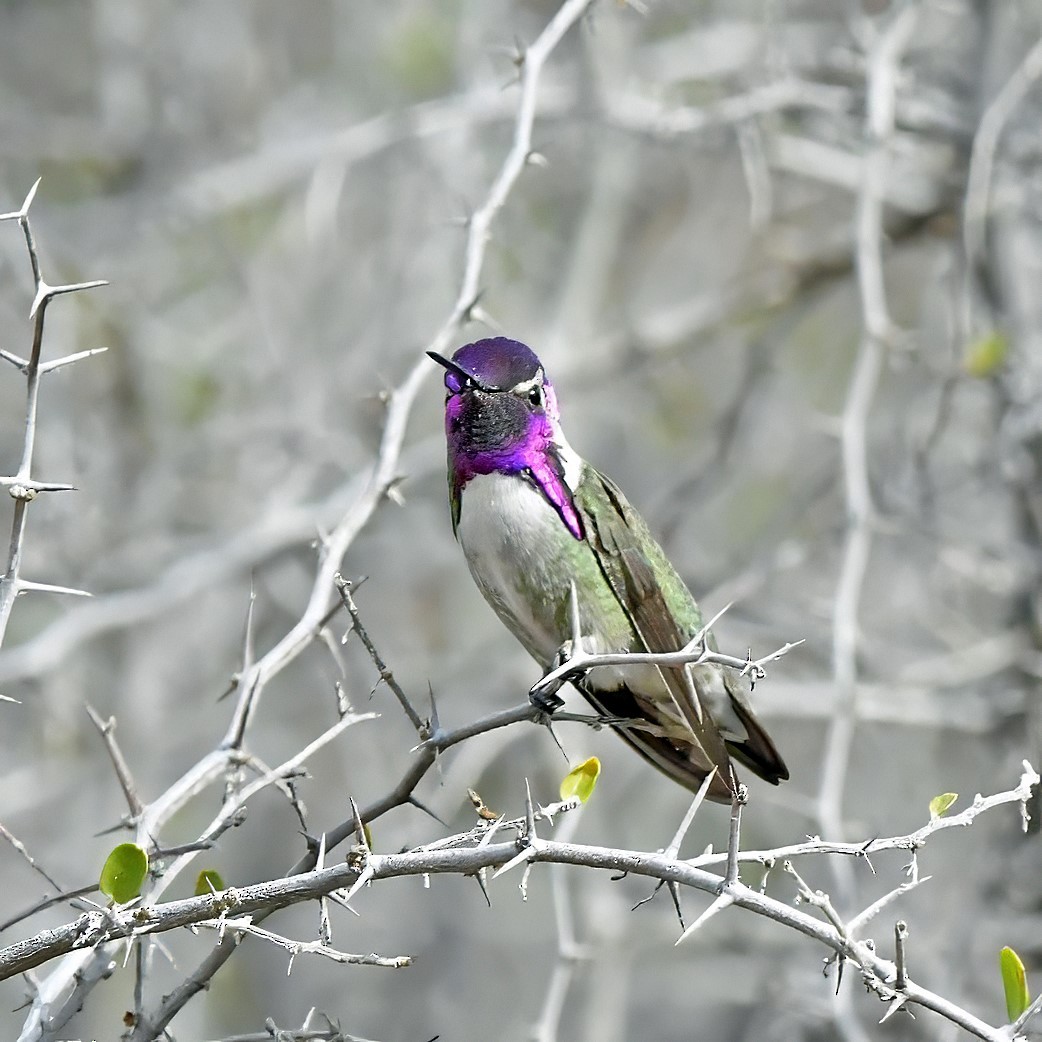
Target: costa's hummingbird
(537, 522)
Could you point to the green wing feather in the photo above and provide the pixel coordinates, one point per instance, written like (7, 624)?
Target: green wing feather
(618, 537)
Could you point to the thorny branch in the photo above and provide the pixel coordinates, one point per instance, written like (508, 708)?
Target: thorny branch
(22, 487)
(343, 587)
(695, 652)
(470, 854)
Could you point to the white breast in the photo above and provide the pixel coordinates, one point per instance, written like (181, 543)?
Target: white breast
(509, 533)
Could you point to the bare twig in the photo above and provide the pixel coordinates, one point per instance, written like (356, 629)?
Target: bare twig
(344, 589)
(900, 937)
(245, 925)
(569, 951)
(332, 1032)
(49, 902)
(694, 653)
(985, 146)
(107, 730)
(734, 834)
(22, 488)
(30, 860)
(913, 841)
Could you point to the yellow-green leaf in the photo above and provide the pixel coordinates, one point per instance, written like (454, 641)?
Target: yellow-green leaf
(939, 804)
(209, 881)
(985, 355)
(1014, 983)
(580, 781)
(124, 872)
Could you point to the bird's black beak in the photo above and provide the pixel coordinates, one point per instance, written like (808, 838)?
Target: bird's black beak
(466, 379)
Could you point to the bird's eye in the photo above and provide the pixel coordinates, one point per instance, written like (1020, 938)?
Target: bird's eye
(535, 396)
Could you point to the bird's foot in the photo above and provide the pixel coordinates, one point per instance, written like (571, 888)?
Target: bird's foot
(546, 699)
(569, 663)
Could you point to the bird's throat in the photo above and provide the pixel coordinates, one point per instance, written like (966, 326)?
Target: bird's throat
(547, 468)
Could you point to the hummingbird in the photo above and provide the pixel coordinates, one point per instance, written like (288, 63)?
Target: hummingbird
(549, 538)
